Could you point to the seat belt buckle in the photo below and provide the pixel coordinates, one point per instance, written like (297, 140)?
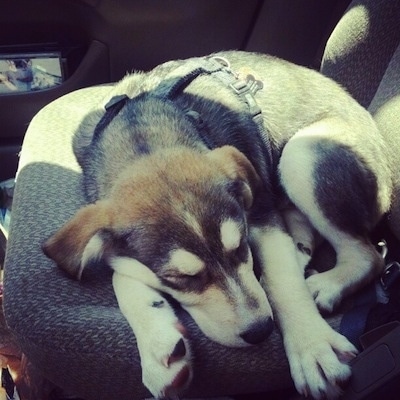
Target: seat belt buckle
(390, 275)
(376, 370)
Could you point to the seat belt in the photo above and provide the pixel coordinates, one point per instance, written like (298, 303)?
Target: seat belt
(376, 370)
(354, 321)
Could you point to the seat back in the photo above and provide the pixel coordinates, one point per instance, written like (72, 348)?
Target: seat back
(363, 54)
(362, 45)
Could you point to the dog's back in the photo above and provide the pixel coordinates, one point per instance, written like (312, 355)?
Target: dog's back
(207, 114)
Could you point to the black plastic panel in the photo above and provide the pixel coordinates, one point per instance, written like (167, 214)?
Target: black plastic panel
(102, 40)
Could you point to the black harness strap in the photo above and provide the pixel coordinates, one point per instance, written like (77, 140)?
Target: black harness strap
(218, 67)
(182, 76)
(174, 83)
(112, 108)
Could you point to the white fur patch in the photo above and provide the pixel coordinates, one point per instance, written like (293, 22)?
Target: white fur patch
(185, 262)
(298, 155)
(134, 269)
(92, 251)
(230, 235)
(282, 276)
(192, 221)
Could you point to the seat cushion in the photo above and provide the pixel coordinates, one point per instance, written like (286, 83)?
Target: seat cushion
(73, 331)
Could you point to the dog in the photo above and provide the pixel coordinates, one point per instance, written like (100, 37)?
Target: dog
(201, 170)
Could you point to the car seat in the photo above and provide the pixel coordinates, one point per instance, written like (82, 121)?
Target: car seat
(73, 332)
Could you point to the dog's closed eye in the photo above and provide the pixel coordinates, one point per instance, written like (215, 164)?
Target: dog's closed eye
(175, 277)
(184, 270)
(184, 282)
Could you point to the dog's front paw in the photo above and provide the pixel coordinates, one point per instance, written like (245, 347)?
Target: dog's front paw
(165, 355)
(318, 362)
(161, 339)
(326, 292)
(166, 368)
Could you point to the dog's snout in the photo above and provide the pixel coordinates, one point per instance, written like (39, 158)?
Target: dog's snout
(258, 331)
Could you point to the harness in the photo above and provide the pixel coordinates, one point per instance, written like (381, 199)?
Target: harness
(176, 81)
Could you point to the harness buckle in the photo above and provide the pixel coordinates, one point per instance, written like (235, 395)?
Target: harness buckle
(249, 85)
(390, 275)
(223, 61)
(116, 100)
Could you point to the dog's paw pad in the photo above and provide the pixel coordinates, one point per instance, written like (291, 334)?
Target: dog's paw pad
(303, 255)
(177, 354)
(166, 361)
(346, 356)
(180, 381)
(304, 249)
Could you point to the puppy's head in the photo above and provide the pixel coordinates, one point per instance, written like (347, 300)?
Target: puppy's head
(177, 221)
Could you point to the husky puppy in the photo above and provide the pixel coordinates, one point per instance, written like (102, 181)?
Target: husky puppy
(200, 166)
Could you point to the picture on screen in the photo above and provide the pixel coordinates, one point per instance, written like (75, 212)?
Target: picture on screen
(29, 72)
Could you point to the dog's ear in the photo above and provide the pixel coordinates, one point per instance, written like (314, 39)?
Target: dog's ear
(239, 169)
(78, 241)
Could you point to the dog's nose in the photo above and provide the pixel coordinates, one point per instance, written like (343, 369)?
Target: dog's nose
(258, 331)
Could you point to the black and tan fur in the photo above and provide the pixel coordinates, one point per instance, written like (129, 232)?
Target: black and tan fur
(185, 193)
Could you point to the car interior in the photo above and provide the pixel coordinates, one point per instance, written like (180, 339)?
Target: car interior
(63, 339)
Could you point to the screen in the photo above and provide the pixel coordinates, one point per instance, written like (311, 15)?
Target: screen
(29, 72)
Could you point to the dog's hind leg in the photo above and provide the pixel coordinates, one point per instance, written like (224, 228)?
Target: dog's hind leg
(338, 193)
